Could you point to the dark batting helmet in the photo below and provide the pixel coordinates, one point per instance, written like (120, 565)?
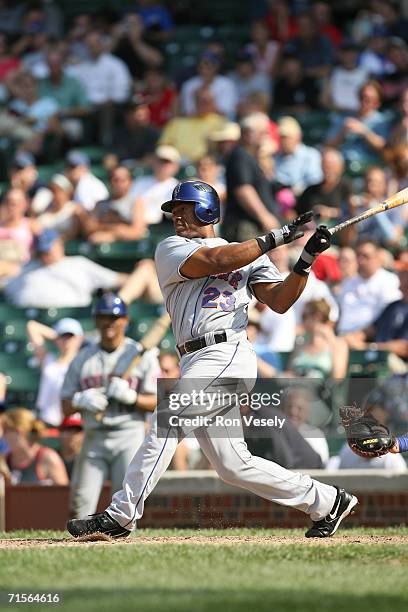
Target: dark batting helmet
(110, 304)
(204, 197)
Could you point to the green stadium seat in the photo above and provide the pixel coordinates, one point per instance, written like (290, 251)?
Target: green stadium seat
(14, 329)
(142, 310)
(368, 364)
(50, 316)
(79, 247)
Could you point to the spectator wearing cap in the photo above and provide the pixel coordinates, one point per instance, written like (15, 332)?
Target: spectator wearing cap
(157, 20)
(71, 439)
(119, 217)
(107, 83)
(190, 135)
(224, 139)
(222, 88)
(340, 91)
(294, 91)
(134, 142)
(150, 190)
(67, 336)
(68, 92)
(263, 50)
(250, 206)
(129, 43)
(297, 165)
(246, 77)
(24, 175)
(314, 49)
(17, 232)
(361, 136)
(64, 281)
(160, 96)
(88, 189)
(62, 214)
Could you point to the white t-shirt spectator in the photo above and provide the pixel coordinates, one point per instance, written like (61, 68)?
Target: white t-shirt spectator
(347, 460)
(153, 192)
(362, 300)
(315, 290)
(89, 191)
(223, 90)
(106, 79)
(277, 331)
(344, 87)
(48, 400)
(67, 283)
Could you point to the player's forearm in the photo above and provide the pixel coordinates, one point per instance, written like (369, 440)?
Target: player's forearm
(280, 297)
(146, 402)
(226, 258)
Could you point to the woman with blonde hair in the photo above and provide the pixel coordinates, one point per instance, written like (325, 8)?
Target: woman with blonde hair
(28, 461)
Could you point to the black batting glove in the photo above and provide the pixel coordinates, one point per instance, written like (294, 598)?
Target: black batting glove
(286, 234)
(317, 243)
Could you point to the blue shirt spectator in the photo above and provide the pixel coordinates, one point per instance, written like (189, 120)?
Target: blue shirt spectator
(315, 50)
(361, 136)
(155, 17)
(296, 165)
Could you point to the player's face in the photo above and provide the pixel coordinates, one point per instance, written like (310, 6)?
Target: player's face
(185, 222)
(111, 328)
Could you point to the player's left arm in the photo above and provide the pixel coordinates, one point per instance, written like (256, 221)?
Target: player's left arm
(281, 296)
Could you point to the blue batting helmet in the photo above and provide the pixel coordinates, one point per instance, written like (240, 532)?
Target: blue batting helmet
(110, 304)
(204, 197)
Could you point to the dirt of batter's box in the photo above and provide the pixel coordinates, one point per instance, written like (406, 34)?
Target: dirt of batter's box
(337, 540)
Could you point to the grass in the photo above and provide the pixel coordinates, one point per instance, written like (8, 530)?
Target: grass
(187, 577)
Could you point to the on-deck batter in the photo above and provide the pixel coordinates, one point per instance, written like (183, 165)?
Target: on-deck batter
(207, 285)
(113, 408)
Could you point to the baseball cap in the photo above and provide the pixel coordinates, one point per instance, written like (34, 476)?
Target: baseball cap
(229, 131)
(23, 159)
(45, 240)
(210, 56)
(77, 158)
(288, 126)
(245, 55)
(68, 326)
(72, 421)
(168, 153)
(61, 181)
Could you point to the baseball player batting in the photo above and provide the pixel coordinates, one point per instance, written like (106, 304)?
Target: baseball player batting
(113, 402)
(207, 284)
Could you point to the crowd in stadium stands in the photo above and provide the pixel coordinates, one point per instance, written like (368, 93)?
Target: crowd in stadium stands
(101, 115)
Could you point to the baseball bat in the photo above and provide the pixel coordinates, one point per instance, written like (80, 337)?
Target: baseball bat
(152, 338)
(398, 199)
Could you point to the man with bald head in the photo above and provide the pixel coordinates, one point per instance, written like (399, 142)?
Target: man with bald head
(330, 198)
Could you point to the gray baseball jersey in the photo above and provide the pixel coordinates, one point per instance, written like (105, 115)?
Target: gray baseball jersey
(216, 302)
(93, 368)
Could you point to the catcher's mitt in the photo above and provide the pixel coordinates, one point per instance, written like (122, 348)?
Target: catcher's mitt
(365, 435)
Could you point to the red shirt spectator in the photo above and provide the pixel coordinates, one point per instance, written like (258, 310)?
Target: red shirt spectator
(281, 24)
(160, 97)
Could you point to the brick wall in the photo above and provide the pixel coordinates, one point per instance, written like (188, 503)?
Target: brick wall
(200, 499)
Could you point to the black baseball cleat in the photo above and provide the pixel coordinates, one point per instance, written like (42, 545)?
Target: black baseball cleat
(97, 523)
(342, 507)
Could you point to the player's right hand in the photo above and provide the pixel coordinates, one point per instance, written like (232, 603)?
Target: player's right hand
(319, 241)
(91, 400)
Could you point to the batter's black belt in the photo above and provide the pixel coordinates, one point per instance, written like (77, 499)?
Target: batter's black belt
(198, 343)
